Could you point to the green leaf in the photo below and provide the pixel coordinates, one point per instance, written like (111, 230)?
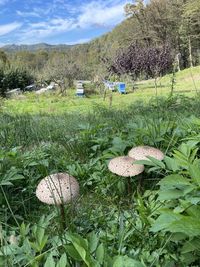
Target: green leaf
(156, 162)
(171, 164)
(165, 220)
(81, 246)
(144, 162)
(93, 242)
(174, 181)
(72, 252)
(170, 194)
(191, 245)
(100, 254)
(194, 171)
(187, 225)
(50, 261)
(63, 261)
(125, 261)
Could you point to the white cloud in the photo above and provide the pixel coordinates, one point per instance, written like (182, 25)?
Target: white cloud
(98, 13)
(102, 14)
(27, 14)
(41, 30)
(79, 41)
(7, 28)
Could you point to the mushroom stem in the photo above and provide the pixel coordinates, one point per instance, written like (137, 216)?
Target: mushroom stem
(140, 182)
(129, 188)
(62, 213)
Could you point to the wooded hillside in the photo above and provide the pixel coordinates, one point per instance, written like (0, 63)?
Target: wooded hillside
(160, 22)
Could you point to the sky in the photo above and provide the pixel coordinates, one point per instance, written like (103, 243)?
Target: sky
(57, 21)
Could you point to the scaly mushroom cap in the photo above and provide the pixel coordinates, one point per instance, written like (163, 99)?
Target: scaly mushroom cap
(141, 153)
(124, 166)
(59, 188)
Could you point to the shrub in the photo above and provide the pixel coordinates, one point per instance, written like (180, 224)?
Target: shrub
(14, 78)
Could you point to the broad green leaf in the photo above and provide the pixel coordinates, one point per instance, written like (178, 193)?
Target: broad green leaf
(100, 254)
(171, 163)
(73, 252)
(81, 246)
(156, 162)
(187, 225)
(174, 181)
(75, 238)
(125, 261)
(93, 242)
(193, 211)
(194, 171)
(165, 220)
(193, 200)
(63, 261)
(40, 234)
(191, 246)
(144, 162)
(170, 194)
(50, 261)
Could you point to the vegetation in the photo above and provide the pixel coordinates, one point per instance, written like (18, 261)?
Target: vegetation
(105, 228)
(168, 22)
(155, 225)
(185, 82)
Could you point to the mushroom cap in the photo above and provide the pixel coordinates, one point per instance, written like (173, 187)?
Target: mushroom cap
(59, 188)
(141, 153)
(124, 166)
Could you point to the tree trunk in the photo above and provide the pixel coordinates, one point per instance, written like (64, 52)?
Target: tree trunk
(190, 52)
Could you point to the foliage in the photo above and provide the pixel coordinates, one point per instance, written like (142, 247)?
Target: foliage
(137, 60)
(11, 78)
(105, 227)
(180, 195)
(155, 24)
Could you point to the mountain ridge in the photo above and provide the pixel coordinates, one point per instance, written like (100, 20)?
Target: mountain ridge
(36, 47)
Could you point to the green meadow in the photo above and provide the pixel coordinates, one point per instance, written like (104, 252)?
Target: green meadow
(186, 82)
(151, 219)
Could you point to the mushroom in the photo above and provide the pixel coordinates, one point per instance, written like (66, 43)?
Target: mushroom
(124, 166)
(142, 152)
(58, 189)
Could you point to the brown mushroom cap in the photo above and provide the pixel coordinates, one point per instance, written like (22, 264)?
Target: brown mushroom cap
(141, 153)
(124, 166)
(59, 188)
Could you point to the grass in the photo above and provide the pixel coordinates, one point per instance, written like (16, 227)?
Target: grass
(187, 83)
(49, 134)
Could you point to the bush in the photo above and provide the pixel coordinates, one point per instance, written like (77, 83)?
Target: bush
(12, 78)
(2, 89)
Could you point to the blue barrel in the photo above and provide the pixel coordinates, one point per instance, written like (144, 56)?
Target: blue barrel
(122, 88)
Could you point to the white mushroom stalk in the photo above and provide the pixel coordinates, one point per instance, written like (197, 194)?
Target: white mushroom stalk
(58, 189)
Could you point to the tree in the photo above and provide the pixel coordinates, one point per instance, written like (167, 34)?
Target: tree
(190, 30)
(3, 58)
(137, 60)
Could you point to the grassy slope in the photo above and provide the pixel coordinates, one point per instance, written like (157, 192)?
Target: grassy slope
(187, 83)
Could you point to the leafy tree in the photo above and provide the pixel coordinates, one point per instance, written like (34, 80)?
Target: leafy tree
(12, 78)
(137, 60)
(190, 33)
(3, 58)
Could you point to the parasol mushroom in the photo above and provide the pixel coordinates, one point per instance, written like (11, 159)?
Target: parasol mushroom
(58, 189)
(142, 152)
(124, 166)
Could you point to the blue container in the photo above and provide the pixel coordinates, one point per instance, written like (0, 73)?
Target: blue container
(122, 88)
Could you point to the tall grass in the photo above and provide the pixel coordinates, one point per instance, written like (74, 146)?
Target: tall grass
(33, 146)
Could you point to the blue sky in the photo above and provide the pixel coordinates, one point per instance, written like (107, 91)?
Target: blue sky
(57, 21)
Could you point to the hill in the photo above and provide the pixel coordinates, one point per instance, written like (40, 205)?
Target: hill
(35, 47)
